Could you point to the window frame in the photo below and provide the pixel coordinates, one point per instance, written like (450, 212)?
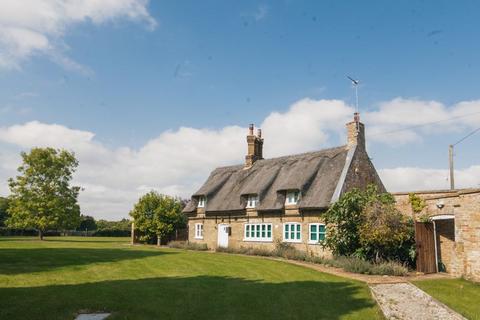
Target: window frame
(260, 231)
(318, 233)
(250, 198)
(296, 198)
(199, 231)
(288, 239)
(202, 201)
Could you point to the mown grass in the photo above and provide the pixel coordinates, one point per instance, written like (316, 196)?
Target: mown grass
(57, 278)
(461, 295)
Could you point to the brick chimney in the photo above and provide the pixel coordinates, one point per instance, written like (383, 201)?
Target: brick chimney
(255, 146)
(355, 132)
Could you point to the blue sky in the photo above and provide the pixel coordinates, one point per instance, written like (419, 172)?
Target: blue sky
(122, 77)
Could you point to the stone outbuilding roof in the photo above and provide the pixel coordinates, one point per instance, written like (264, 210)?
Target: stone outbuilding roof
(315, 174)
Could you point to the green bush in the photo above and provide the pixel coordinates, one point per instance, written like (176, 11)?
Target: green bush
(391, 268)
(188, 245)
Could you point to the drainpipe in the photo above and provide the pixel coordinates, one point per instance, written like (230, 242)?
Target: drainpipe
(435, 241)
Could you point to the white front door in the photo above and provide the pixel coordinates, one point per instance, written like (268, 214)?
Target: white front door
(223, 235)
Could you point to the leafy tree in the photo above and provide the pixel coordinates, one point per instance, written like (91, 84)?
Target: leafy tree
(87, 223)
(3, 210)
(343, 220)
(41, 195)
(157, 215)
(367, 224)
(386, 234)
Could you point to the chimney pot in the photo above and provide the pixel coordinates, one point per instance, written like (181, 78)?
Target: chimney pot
(259, 133)
(250, 129)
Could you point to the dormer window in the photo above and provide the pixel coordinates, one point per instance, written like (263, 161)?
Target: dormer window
(252, 200)
(292, 197)
(202, 201)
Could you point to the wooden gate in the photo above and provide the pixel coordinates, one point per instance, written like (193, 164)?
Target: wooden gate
(425, 244)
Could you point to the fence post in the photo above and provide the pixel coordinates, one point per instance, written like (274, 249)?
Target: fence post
(132, 233)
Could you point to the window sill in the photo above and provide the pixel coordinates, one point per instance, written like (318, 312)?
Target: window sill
(254, 240)
(314, 242)
(292, 241)
(198, 238)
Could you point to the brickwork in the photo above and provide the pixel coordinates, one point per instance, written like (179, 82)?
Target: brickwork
(458, 239)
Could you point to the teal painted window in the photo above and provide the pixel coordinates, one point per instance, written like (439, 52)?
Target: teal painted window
(317, 232)
(292, 232)
(258, 232)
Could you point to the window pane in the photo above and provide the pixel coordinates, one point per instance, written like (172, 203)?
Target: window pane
(298, 227)
(263, 230)
(292, 235)
(313, 228)
(269, 231)
(321, 236)
(286, 231)
(298, 236)
(258, 231)
(247, 231)
(313, 236)
(321, 228)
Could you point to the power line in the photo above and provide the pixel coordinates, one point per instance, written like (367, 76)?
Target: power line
(426, 124)
(467, 136)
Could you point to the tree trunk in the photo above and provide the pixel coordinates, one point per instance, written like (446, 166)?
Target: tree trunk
(40, 234)
(158, 240)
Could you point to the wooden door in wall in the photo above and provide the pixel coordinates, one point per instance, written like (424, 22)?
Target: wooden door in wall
(222, 235)
(425, 244)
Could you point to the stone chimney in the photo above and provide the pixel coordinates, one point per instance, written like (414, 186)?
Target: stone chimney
(355, 132)
(255, 146)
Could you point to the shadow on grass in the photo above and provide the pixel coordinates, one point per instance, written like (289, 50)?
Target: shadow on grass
(201, 297)
(17, 261)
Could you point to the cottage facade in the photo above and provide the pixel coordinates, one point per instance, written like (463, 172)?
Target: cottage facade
(281, 199)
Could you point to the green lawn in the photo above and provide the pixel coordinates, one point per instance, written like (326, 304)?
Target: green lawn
(461, 295)
(58, 277)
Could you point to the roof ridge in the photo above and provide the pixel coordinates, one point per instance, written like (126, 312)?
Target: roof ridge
(285, 157)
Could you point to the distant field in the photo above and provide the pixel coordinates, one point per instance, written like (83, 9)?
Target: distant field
(56, 278)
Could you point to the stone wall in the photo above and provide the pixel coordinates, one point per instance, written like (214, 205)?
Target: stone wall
(237, 224)
(458, 239)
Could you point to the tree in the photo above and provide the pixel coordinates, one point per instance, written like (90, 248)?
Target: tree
(3, 210)
(368, 225)
(343, 220)
(87, 223)
(157, 215)
(386, 234)
(41, 195)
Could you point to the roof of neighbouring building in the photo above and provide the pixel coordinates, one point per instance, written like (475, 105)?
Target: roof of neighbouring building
(315, 174)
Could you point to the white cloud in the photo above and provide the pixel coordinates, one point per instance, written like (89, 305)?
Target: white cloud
(414, 179)
(387, 124)
(37, 27)
(177, 161)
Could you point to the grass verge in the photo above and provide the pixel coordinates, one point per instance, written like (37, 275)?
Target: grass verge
(461, 295)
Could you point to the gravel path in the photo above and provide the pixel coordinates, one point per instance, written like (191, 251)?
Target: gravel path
(405, 301)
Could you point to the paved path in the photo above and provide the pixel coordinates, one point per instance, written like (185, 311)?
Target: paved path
(405, 301)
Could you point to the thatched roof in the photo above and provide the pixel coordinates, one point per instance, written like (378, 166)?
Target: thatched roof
(314, 174)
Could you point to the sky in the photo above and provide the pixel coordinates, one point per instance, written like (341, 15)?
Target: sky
(152, 95)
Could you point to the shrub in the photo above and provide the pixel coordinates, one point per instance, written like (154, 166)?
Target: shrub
(284, 250)
(391, 268)
(349, 264)
(367, 225)
(355, 265)
(188, 245)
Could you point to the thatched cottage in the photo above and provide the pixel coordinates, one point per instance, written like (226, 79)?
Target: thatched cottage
(279, 199)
